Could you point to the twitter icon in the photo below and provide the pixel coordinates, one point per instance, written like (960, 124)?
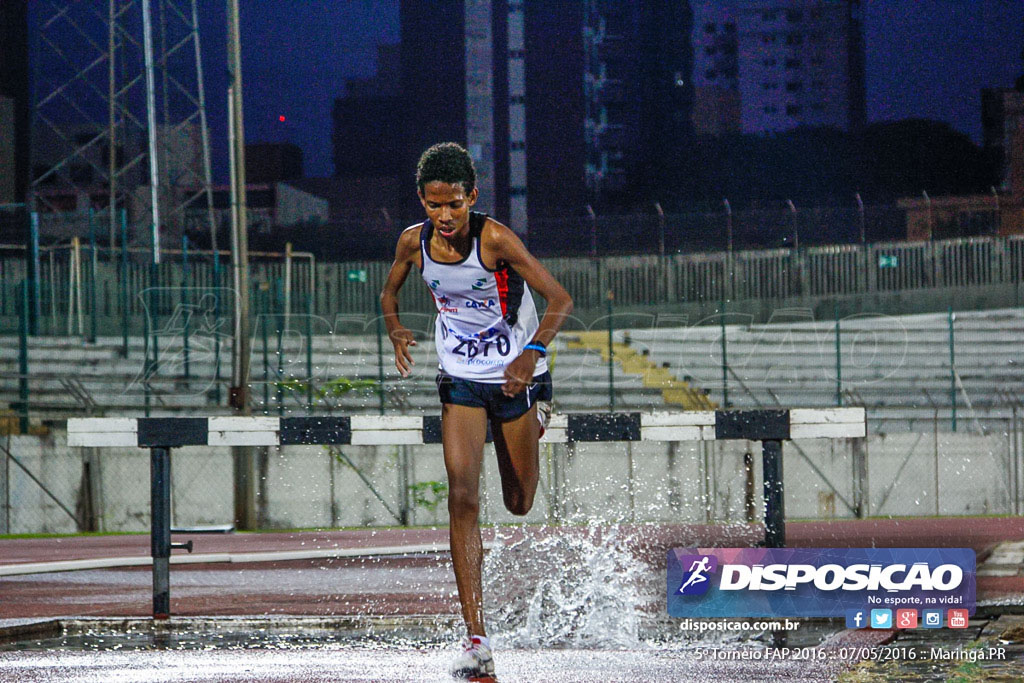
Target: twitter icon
(881, 618)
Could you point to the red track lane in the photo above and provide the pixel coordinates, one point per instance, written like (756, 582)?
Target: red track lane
(255, 588)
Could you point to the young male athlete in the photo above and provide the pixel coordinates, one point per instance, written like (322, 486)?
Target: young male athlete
(491, 350)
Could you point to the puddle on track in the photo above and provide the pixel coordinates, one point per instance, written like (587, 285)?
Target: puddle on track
(279, 649)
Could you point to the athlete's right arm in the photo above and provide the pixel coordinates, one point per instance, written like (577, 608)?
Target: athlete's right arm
(406, 256)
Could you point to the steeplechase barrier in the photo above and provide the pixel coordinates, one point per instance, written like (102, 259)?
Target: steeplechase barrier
(161, 434)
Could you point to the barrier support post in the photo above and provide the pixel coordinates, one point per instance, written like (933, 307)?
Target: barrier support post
(769, 426)
(160, 529)
(774, 509)
(774, 503)
(24, 329)
(122, 285)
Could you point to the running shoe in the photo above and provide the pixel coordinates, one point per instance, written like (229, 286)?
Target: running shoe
(544, 416)
(475, 663)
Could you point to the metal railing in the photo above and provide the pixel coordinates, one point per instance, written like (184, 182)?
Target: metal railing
(77, 290)
(184, 305)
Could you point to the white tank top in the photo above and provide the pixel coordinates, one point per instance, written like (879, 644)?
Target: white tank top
(484, 316)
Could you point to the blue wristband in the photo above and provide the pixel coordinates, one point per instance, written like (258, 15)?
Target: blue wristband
(538, 347)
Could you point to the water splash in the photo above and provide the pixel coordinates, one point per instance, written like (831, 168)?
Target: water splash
(569, 586)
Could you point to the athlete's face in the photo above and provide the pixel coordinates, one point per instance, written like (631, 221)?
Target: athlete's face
(448, 207)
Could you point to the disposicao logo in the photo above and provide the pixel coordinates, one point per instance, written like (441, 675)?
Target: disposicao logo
(824, 582)
(696, 580)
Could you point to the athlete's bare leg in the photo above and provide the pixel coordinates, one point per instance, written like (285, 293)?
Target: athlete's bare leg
(463, 435)
(515, 442)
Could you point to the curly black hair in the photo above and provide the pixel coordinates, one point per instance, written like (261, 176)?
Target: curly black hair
(448, 162)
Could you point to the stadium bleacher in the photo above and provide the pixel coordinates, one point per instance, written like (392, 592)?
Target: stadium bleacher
(900, 368)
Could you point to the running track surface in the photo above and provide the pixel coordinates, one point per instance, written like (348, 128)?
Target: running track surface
(306, 587)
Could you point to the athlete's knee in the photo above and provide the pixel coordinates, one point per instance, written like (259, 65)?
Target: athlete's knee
(518, 502)
(463, 500)
(518, 496)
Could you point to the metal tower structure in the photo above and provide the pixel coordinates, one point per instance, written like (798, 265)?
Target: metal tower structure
(100, 106)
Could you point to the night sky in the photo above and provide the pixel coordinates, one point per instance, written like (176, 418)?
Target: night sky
(294, 64)
(925, 59)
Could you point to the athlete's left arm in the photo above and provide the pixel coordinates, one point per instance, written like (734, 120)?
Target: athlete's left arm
(504, 245)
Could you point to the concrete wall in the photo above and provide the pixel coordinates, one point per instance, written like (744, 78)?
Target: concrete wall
(700, 482)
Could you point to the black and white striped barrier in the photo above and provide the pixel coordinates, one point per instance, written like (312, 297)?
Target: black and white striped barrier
(160, 434)
(374, 430)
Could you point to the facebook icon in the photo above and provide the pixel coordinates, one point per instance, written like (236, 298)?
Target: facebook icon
(856, 618)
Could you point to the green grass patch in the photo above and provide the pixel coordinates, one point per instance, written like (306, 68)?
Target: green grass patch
(4, 537)
(967, 672)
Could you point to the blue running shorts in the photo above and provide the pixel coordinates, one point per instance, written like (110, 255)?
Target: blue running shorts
(464, 392)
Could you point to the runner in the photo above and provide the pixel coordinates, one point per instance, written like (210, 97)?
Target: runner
(492, 360)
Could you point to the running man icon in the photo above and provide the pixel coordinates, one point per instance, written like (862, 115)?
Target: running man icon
(697, 570)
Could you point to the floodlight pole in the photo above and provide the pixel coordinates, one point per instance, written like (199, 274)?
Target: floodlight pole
(242, 456)
(730, 262)
(999, 215)
(592, 219)
(112, 124)
(204, 128)
(728, 225)
(928, 204)
(154, 172)
(860, 218)
(796, 232)
(661, 229)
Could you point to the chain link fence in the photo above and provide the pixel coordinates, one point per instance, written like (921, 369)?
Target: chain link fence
(46, 487)
(91, 331)
(77, 290)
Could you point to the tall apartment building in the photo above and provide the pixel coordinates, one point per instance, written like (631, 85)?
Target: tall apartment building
(7, 156)
(1002, 119)
(637, 91)
(561, 103)
(459, 59)
(764, 66)
(14, 102)
(272, 162)
(369, 123)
